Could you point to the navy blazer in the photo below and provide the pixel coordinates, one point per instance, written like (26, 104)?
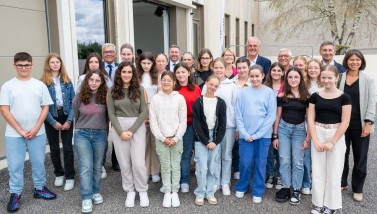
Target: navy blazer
(167, 68)
(340, 67)
(264, 62)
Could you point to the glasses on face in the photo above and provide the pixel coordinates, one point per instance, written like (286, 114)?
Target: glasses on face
(228, 54)
(166, 80)
(284, 56)
(108, 52)
(91, 80)
(21, 66)
(205, 58)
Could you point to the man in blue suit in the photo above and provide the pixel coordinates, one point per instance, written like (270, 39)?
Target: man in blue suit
(174, 56)
(109, 55)
(252, 46)
(327, 51)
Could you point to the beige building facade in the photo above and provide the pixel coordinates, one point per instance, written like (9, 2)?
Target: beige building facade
(43, 26)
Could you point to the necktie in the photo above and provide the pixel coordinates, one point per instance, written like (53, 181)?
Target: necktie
(174, 65)
(110, 69)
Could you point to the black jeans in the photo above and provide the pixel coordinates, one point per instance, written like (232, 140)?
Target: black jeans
(53, 141)
(360, 147)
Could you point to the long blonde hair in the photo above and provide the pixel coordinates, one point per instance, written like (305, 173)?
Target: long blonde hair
(47, 75)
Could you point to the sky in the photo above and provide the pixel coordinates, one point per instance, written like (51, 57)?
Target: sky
(90, 21)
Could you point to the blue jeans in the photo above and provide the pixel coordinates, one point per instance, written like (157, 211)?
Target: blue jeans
(188, 146)
(291, 139)
(16, 151)
(273, 155)
(207, 163)
(307, 180)
(253, 153)
(90, 145)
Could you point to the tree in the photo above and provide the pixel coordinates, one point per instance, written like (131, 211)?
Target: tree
(84, 49)
(344, 19)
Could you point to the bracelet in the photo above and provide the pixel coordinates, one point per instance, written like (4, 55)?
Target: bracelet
(307, 141)
(332, 142)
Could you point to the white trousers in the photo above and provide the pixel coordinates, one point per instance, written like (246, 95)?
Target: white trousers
(327, 168)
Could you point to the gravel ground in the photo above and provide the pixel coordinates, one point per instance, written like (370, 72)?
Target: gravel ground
(114, 196)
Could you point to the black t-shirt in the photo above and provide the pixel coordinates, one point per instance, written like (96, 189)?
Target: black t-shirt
(329, 111)
(354, 92)
(293, 111)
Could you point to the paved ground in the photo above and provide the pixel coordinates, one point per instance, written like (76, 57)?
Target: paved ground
(114, 197)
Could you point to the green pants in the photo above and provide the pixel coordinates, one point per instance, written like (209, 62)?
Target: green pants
(170, 160)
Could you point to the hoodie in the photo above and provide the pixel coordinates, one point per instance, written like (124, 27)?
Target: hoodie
(168, 116)
(228, 92)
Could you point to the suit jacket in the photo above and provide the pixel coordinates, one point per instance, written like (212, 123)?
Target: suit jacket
(367, 96)
(264, 62)
(340, 67)
(168, 65)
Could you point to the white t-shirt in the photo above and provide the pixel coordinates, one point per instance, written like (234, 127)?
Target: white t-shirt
(24, 99)
(146, 82)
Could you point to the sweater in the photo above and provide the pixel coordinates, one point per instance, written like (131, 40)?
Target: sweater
(168, 116)
(90, 116)
(190, 97)
(256, 112)
(200, 125)
(127, 108)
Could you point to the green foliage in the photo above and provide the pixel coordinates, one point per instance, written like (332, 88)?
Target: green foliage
(84, 49)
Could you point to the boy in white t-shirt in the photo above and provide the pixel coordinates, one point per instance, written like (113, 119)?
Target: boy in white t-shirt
(24, 105)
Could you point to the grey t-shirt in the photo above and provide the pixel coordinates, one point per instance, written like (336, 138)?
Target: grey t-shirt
(90, 116)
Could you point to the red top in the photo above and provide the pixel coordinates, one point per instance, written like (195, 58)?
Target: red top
(190, 97)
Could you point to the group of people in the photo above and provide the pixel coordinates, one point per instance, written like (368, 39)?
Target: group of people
(285, 125)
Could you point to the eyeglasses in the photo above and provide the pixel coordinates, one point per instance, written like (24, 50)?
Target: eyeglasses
(228, 54)
(91, 80)
(26, 66)
(108, 52)
(205, 58)
(284, 56)
(167, 80)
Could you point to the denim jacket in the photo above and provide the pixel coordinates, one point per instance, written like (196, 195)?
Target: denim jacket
(68, 93)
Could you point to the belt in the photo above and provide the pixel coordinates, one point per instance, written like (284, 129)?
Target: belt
(327, 126)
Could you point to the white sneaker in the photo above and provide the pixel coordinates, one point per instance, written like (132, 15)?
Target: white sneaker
(104, 174)
(156, 178)
(175, 200)
(97, 198)
(144, 200)
(87, 206)
(257, 200)
(59, 181)
(278, 184)
(130, 200)
(167, 200)
(226, 190)
(162, 189)
(69, 184)
(306, 191)
(185, 188)
(236, 175)
(216, 187)
(270, 182)
(239, 194)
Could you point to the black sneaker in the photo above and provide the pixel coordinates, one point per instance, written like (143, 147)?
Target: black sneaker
(296, 197)
(316, 210)
(327, 210)
(283, 194)
(14, 202)
(44, 193)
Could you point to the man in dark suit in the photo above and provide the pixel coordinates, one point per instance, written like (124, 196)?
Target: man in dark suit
(109, 55)
(327, 51)
(252, 46)
(174, 56)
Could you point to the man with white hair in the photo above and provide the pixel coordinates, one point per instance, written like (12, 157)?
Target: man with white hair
(284, 57)
(253, 46)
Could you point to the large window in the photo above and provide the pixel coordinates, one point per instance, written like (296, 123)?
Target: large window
(90, 26)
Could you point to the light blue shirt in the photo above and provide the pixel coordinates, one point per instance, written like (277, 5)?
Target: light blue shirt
(256, 112)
